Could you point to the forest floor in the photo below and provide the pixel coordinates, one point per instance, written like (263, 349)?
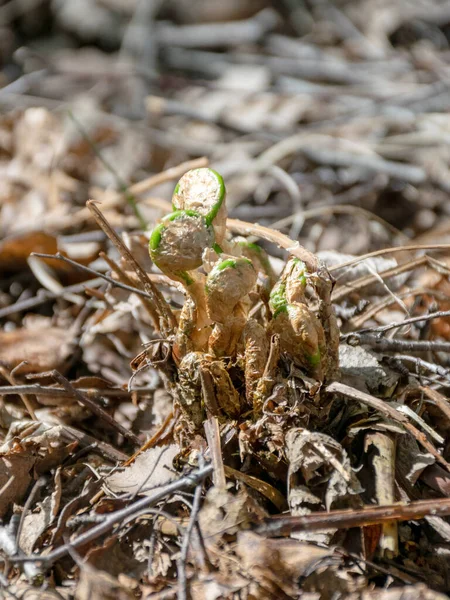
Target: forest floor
(259, 408)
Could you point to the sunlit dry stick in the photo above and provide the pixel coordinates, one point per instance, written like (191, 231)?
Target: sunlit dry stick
(345, 519)
(187, 482)
(271, 235)
(93, 407)
(161, 308)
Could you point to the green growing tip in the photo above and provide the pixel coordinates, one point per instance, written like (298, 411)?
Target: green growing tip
(250, 246)
(179, 214)
(225, 264)
(220, 197)
(314, 359)
(277, 299)
(155, 237)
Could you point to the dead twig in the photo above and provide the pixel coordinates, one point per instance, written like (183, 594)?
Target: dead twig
(385, 345)
(181, 563)
(95, 408)
(384, 251)
(73, 263)
(346, 519)
(187, 482)
(429, 317)
(39, 390)
(160, 306)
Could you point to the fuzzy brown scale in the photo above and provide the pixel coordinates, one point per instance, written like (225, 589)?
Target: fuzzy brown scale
(227, 356)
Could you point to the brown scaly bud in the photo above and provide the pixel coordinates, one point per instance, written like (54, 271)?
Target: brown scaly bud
(228, 282)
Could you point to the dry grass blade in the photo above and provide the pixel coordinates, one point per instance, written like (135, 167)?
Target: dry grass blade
(161, 310)
(384, 251)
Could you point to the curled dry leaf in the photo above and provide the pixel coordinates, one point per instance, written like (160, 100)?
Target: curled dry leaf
(35, 523)
(320, 474)
(281, 561)
(98, 584)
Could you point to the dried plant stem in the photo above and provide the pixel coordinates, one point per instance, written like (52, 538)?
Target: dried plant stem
(271, 235)
(429, 317)
(181, 563)
(9, 376)
(345, 519)
(162, 309)
(354, 286)
(80, 267)
(92, 406)
(386, 345)
(39, 390)
(162, 431)
(123, 278)
(374, 309)
(212, 433)
(383, 462)
(45, 295)
(384, 251)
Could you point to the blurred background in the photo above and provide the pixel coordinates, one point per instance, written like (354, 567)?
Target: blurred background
(314, 111)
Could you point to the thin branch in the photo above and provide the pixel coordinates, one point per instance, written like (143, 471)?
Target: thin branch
(182, 584)
(183, 483)
(345, 519)
(161, 307)
(95, 408)
(382, 329)
(39, 390)
(59, 256)
(354, 286)
(45, 295)
(385, 345)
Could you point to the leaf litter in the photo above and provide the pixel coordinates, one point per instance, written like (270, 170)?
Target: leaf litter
(207, 389)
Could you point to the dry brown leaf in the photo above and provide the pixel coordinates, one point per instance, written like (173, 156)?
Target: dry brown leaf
(225, 513)
(98, 584)
(15, 475)
(150, 469)
(42, 349)
(15, 250)
(282, 561)
(320, 475)
(34, 524)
